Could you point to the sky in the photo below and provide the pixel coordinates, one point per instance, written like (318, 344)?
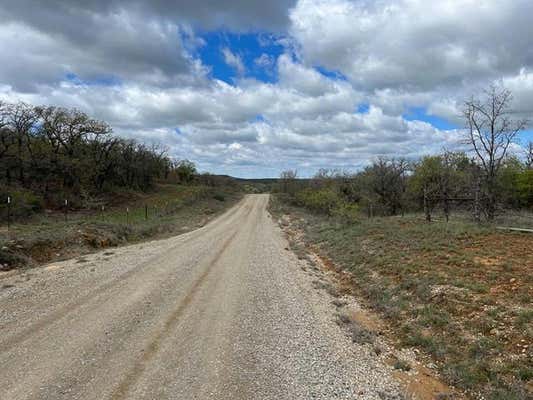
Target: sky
(251, 88)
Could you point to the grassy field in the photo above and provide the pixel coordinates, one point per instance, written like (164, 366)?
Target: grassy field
(172, 209)
(458, 291)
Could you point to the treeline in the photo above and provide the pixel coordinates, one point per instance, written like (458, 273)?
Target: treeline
(49, 154)
(446, 182)
(486, 183)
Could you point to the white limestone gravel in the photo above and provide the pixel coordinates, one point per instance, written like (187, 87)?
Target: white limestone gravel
(224, 312)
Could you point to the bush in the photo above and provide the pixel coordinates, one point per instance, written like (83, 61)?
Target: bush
(24, 203)
(347, 212)
(9, 259)
(322, 201)
(525, 188)
(219, 197)
(326, 201)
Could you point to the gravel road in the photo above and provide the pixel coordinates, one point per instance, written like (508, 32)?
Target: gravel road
(223, 312)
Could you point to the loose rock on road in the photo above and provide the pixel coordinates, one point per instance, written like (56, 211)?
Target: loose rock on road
(223, 312)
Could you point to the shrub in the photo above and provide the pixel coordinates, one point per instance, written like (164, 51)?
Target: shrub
(24, 203)
(322, 201)
(219, 196)
(347, 212)
(525, 187)
(9, 259)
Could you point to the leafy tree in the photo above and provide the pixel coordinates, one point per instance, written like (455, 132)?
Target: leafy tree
(427, 182)
(507, 182)
(53, 152)
(385, 183)
(186, 170)
(524, 182)
(441, 179)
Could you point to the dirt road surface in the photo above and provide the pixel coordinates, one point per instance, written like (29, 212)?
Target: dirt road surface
(223, 312)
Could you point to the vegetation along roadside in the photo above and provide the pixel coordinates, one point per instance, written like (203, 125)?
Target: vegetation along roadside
(459, 291)
(440, 247)
(68, 185)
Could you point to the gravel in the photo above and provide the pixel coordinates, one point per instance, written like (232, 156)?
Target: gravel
(223, 312)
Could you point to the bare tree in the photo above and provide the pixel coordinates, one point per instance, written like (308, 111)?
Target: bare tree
(287, 179)
(3, 114)
(21, 119)
(5, 132)
(490, 131)
(529, 155)
(7, 141)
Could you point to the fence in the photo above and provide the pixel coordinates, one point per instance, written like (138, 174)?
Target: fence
(127, 215)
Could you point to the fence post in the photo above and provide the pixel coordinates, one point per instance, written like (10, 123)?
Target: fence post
(66, 210)
(146, 211)
(127, 215)
(8, 212)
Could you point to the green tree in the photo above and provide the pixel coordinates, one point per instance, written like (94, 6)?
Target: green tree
(524, 182)
(385, 183)
(427, 182)
(186, 171)
(507, 182)
(441, 179)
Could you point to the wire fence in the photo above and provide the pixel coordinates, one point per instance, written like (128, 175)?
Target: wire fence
(71, 216)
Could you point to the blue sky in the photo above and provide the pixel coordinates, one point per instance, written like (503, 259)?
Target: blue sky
(249, 47)
(250, 88)
(420, 114)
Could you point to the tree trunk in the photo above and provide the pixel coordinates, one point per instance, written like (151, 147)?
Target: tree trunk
(427, 211)
(477, 202)
(491, 199)
(446, 206)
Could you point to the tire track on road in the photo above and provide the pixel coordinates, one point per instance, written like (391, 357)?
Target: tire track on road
(153, 347)
(8, 343)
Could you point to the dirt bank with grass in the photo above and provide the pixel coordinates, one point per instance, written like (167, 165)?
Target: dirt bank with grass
(458, 293)
(131, 217)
